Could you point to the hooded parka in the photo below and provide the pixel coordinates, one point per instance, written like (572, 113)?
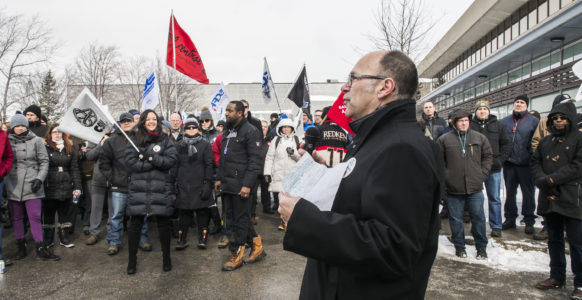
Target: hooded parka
(278, 162)
(559, 156)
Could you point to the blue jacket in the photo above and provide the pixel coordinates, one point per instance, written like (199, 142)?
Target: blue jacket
(524, 125)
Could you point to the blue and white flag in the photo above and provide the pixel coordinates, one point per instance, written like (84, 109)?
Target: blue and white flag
(268, 86)
(151, 91)
(219, 101)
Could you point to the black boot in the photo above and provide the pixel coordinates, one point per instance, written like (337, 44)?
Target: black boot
(215, 217)
(133, 235)
(43, 253)
(165, 233)
(48, 235)
(63, 238)
(202, 238)
(182, 242)
(21, 249)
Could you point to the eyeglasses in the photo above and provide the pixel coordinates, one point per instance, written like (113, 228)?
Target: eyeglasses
(562, 118)
(191, 127)
(353, 76)
(246, 106)
(206, 121)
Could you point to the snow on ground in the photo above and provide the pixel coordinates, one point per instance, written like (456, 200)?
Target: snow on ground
(518, 259)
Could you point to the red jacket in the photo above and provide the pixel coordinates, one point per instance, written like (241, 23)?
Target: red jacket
(5, 154)
(216, 149)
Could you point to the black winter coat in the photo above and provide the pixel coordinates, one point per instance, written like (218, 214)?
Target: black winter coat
(498, 139)
(112, 162)
(381, 237)
(240, 157)
(150, 185)
(63, 176)
(525, 126)
(560, 158)
(435, 125)
(192, 174)
(210, 135)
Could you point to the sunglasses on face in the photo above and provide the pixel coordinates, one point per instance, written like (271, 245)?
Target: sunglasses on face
(206, 121)
(562, 118)
(191, 127)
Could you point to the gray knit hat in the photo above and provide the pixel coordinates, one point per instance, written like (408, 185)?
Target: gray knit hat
(205, 115)
(190, 122)
(18, 120)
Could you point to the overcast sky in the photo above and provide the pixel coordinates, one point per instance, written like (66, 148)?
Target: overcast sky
(232, 36)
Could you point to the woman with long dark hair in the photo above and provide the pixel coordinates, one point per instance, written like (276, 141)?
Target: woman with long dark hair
(150, 190)
(62, 183)
(194, 179)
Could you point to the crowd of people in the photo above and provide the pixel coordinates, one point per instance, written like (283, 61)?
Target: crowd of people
(381, 235)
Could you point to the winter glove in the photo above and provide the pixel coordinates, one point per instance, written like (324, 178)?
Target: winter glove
(290, 151)
(206, 191)
(141, 157)
(268, 178)
(35, 185)
(544, 183)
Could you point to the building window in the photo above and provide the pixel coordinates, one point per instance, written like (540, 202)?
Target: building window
(514, 75)
(507, 36)
(482, 88)
(532, 19)
(500, 41)
(469, 94)
(554, 6)
(498, 82)
(526, 71)
(542, 11)
(573, 52)
(540, 65)
(555, 59)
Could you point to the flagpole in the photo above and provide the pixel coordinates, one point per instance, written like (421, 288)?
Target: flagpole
(127, 137)
(175, 71)
(271, 78)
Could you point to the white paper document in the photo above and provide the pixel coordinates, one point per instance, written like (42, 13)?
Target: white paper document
(314, 182)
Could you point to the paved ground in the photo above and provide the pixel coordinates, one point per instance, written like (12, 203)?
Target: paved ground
(87, 272)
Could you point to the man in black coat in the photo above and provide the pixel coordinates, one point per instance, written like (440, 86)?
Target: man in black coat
(381, 236)
(434, 123)
(112, 165)
(33, 115)
(238, 169)
(557, 169)
(487, 124)
(253, 199)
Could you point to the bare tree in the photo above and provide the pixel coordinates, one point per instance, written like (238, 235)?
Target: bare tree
(96, 68)
(24, 45)
(184, 89)
(402, 25)
(132, 77)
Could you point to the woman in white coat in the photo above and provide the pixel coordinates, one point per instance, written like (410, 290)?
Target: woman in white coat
(281, 157)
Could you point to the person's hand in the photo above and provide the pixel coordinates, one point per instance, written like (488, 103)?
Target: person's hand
(216, 185)
(244, 192)
(35, 185)
(77, 193)
(268, 178)
(287, 205)
(206, 191)
(544, 183)
(318, 159)
(103, 140)
(83, 148)
(141, 157)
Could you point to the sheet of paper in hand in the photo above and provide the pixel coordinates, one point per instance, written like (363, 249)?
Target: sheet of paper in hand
(315, 182)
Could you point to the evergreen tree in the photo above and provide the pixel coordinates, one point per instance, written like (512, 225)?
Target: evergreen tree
(49, 99)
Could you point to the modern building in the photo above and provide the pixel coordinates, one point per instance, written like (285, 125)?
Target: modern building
(499, 49)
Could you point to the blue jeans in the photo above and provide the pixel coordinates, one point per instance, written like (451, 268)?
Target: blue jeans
(519, 176)
(118, 205)
(492, 185)
(474, 204)
(555, 224)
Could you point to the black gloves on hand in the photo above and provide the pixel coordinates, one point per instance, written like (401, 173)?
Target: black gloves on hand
(206, 191)
(544, 183)
(290, 151)
(35, 185)
(268, 178)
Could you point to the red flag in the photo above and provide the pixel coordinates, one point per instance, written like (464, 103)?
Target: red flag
(188, 60)
(337, 113)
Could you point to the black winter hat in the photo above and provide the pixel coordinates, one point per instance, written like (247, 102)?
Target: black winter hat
(221, 122)
(35, 109)
(522, 97)
(274, 115)
(561, 98)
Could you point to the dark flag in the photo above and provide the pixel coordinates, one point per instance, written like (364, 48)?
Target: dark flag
(299, 94)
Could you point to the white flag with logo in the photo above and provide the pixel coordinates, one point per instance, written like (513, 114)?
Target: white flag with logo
(268, 85)
(86, 118)
(151, 91)
(219, 101)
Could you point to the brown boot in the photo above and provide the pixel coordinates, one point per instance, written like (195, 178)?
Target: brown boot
(550, 283)
(257, 252)
(235, 260)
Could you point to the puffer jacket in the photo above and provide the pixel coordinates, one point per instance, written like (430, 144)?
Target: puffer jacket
(30, 162)
(112, 162)
(150, 184)
(434, 124)
(240, 157)
(465, 174)
(278, 162)
(63, 175)
(192, 173)
(520, 129)
(497, 136)
(559, 156)
(210, 134)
